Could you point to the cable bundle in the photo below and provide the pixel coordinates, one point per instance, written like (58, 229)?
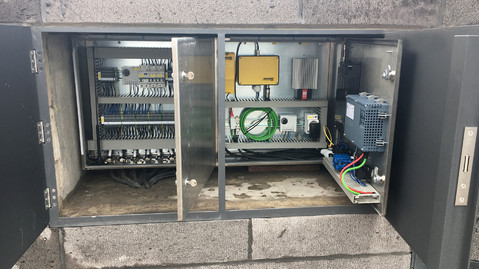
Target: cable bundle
(348, 168)
(141, 177)
(274, 155)
(138, 132)
(269, 131)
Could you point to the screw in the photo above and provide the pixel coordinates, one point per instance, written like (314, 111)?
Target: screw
(191, 182)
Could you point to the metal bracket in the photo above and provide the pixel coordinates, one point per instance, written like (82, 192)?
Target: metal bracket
(383, 115)
(465, 166)
(388, 73)
(381, 143)
(33, 61)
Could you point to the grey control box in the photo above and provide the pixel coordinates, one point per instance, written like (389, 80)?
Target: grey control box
(366, 122)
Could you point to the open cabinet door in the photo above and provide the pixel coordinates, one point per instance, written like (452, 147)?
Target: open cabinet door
(194, 74)
(376, 58)
(23, 215)
(433, 190)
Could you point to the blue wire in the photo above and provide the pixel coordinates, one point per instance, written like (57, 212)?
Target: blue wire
(356, 179)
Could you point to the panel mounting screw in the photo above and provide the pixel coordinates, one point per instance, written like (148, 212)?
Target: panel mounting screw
(190, 75)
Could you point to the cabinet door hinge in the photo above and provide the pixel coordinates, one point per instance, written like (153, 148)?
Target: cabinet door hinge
(33, 61)
(48, 199)
(41, 132)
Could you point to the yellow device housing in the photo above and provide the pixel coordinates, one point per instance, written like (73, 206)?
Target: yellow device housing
(230, 68)
(258, 70)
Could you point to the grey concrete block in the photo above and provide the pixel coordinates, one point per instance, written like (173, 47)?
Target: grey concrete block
(156, 244)
(461, 12)
(401, 261)
(44, 253)
(372, 12)
(178, 12)
(27, 11)
(323, 236)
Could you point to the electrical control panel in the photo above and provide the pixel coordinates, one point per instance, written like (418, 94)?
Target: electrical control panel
(366, 121)
(131, 106)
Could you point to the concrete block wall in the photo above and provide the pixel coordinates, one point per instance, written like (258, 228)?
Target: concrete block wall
(340, 241)
(392, 13)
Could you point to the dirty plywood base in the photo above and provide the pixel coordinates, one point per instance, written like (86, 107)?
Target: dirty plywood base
(281, 189)
(98, 195)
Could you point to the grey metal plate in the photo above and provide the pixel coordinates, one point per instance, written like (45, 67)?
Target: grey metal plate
(23, 215)
(195, 120)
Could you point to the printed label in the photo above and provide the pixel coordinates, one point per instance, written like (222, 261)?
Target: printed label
(350, 111)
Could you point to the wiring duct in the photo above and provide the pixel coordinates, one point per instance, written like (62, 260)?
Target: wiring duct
(348, 168)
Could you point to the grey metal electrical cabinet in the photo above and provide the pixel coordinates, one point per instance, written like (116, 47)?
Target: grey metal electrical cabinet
(425, 162)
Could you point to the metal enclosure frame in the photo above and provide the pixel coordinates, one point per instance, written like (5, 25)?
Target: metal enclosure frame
(438, 210)
(222, 34)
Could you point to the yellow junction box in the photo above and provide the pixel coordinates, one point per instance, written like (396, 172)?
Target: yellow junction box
(230, 66)
(258, 70)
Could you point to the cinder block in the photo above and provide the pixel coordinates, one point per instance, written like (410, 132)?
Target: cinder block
(156, 244)
(372, 12)
(27, 11)
(178, 12)
(461, 12)
(402, 261)
(44, 253)
(324, 236)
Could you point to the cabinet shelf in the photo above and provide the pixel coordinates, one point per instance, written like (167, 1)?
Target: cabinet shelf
(275, 102)
(273, 143)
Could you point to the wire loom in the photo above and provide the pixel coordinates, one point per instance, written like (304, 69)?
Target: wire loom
(137, 178)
